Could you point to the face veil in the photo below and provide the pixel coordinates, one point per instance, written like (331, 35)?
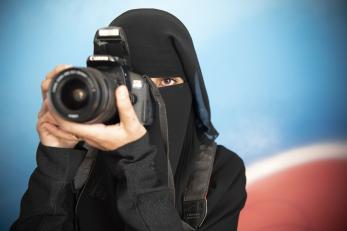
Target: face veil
(160, 46)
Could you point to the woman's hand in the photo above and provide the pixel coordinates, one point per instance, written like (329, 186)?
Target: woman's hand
(108, 137)
(47, 127)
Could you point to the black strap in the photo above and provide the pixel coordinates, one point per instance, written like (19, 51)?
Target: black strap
(83, 170)
(195, 196)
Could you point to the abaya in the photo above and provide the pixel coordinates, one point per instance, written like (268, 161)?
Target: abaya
(127, 187)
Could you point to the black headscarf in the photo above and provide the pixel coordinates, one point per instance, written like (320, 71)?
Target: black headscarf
(160, 46)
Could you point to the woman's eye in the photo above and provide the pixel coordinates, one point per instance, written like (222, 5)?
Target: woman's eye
(167, 82)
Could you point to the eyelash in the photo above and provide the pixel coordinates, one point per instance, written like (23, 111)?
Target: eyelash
(167, 79)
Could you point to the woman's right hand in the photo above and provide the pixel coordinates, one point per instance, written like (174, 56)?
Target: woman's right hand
(49, 132)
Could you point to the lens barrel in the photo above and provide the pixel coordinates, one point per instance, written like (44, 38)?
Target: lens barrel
(84, 95)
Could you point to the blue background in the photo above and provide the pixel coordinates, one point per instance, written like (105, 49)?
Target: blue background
(275, 72)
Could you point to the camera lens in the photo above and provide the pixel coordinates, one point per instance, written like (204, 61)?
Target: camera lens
(74, 94)
(84, 95)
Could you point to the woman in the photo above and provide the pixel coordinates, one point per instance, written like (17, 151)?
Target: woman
(122, 185)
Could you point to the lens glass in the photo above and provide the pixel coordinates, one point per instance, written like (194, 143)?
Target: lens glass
(74, 94)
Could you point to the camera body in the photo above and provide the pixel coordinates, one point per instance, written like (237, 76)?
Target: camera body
(86, 94)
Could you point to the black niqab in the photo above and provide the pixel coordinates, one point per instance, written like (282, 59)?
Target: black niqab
(160, 46)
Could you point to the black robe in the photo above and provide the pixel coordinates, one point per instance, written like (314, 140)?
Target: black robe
(49, 203)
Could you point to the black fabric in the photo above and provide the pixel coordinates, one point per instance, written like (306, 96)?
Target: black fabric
(156, 39)
(160, 45)
(104, 201)
(143, 201)
(49, 200)
(178, 102)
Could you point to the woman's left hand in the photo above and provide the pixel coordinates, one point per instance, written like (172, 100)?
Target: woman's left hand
(109, 137)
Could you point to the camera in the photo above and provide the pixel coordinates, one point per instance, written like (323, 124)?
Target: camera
(86, 94)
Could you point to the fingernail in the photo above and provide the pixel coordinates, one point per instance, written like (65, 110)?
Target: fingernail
(65, 66)
(122, 92)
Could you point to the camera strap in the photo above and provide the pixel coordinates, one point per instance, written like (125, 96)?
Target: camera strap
(195, 195)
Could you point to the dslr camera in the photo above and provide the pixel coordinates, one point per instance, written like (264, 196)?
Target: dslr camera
(86, 94)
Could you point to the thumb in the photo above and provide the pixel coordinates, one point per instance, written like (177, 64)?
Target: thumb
(126, 110)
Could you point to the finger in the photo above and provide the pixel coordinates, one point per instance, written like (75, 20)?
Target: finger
(46, 82)
(56, 70)
(59, 133)
(93, 144)
(46, 119)
(85, 131)
(95, 132)
(43, 109)
(50, 118)
(126, 110)
(44, 87)
(46, 113)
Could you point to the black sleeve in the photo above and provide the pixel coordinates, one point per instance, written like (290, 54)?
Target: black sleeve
(227, 194)
(142, 200)
(48, 203)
